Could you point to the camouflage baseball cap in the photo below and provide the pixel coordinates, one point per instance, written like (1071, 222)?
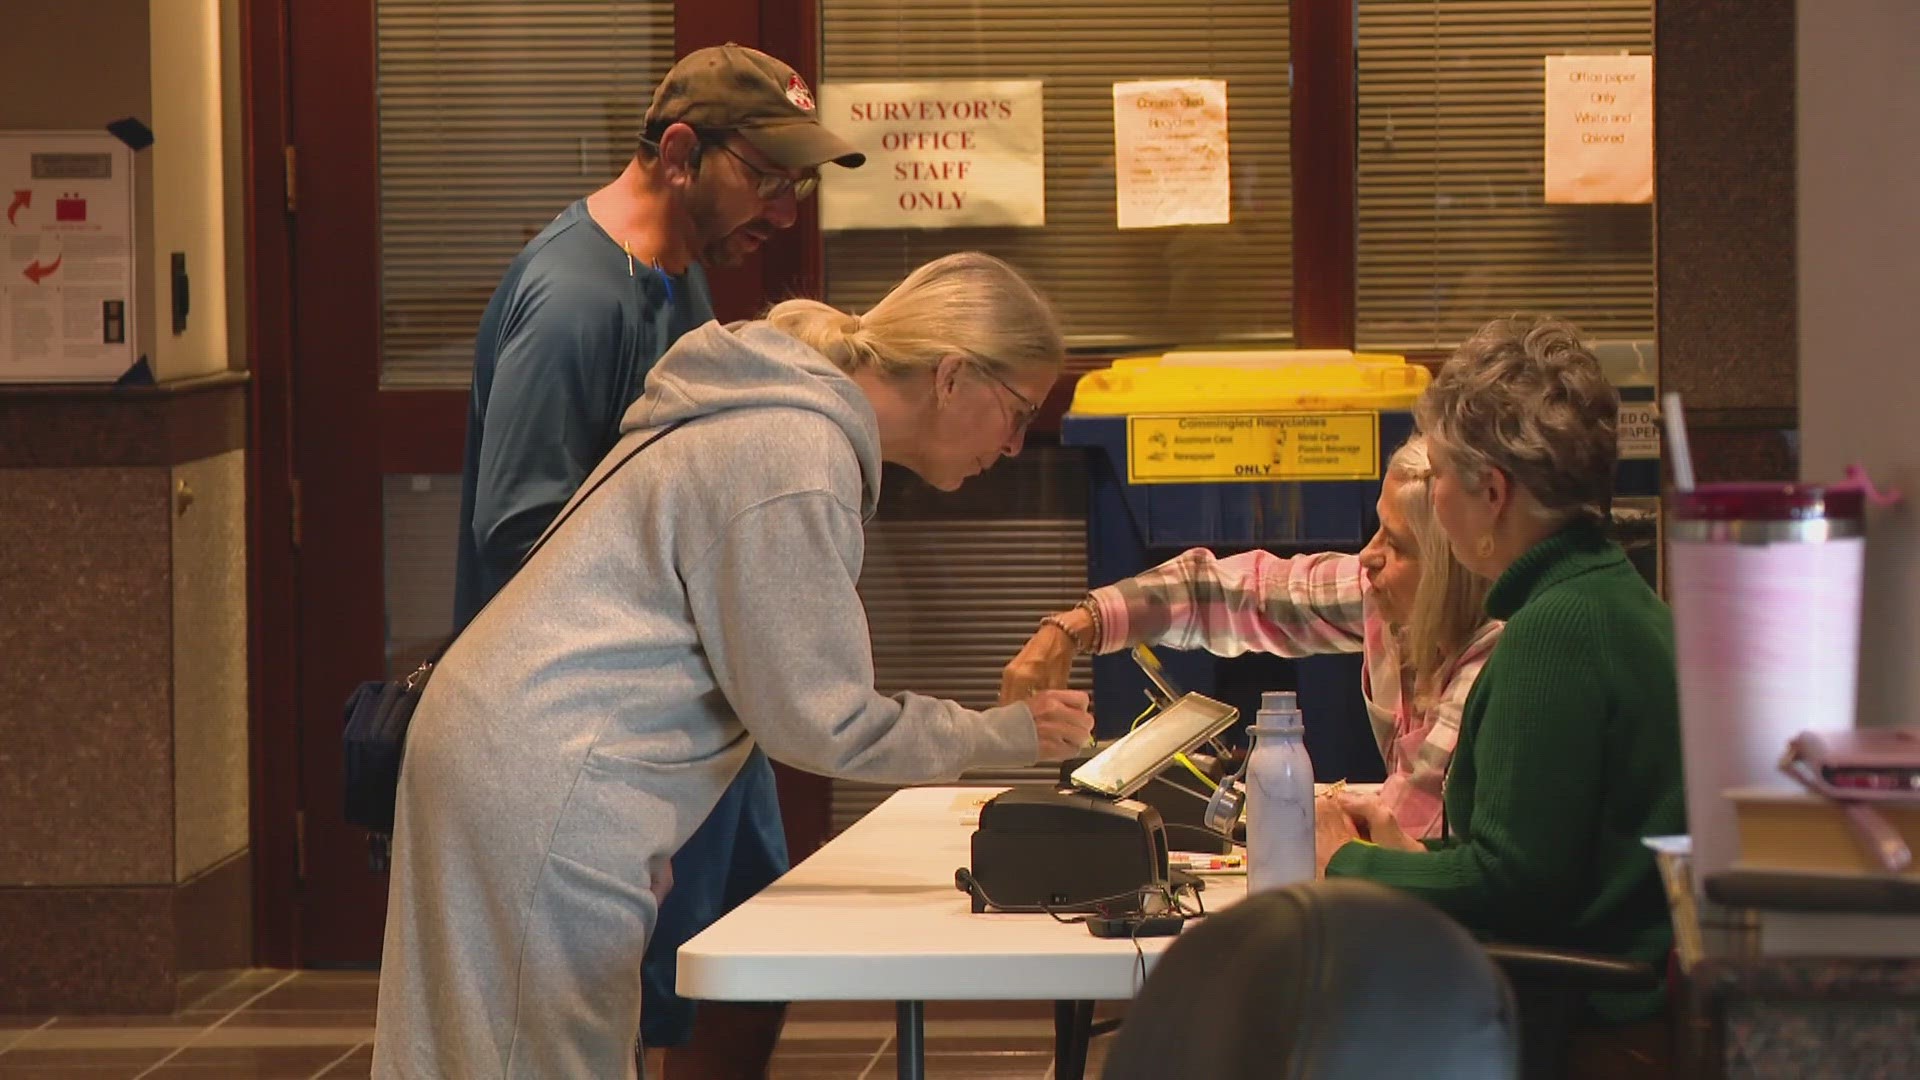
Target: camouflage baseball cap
(734, 88)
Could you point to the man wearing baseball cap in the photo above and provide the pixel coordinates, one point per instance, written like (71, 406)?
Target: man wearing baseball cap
(730, 146)
(733, 88)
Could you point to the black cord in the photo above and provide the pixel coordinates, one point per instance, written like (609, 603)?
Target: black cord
(1140, 955)
(964, 880)
(1209, 833)
(1138, 896)
(1057, 917)
(1184, 789)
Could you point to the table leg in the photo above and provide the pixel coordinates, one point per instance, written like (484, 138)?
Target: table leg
(910, 1038)
(1072, 1031)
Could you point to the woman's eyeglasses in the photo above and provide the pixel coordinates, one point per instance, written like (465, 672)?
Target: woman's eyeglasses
(1023, 417)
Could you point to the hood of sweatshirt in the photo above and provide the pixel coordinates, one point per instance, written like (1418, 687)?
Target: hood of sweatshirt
(751, 365)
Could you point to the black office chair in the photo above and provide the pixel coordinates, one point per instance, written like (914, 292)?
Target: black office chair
(1322, 981)
(1551, 987)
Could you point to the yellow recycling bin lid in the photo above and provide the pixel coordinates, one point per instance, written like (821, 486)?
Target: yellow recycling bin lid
(1250, 380)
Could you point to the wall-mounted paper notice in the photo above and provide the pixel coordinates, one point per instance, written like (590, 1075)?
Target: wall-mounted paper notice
(1599, 129)
(66, 278)
(1170, 153)
(940, 155)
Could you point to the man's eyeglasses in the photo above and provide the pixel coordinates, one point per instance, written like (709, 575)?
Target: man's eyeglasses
(772, 185)
(1027, 411)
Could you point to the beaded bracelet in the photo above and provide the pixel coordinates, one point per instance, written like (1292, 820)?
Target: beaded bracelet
(1093, 637)
(1099, 630)
(1060, 624)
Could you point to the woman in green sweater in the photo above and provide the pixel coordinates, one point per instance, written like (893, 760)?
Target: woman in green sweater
(1569, 747)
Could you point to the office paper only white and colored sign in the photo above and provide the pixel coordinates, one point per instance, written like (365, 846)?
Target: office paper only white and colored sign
(1170, 153)
(66, 282)
(940, 155)
(1599, 129)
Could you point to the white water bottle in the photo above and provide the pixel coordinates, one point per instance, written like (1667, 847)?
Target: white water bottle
(1279, 796)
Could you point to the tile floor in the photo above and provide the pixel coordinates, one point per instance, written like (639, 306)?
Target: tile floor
(308, 1025)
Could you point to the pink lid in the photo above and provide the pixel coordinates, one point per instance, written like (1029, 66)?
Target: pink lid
(1768, 502)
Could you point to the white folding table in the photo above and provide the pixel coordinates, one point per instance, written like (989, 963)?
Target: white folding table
(875, 916)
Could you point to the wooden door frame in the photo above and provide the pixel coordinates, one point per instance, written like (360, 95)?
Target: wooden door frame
(422, 431)
(1324, 128)
(272, 563)
(334, 384)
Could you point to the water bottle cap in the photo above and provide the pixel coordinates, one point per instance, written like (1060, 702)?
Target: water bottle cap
(1278, 701)
(1282, 725)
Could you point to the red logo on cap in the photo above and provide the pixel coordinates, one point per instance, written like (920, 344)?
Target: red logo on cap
(798, 93)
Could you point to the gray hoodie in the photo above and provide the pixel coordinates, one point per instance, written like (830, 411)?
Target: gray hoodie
(587, 721)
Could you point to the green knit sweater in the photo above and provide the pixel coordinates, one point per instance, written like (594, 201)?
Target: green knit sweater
(1569, 753)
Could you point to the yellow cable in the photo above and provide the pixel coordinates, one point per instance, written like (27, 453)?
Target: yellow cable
(1195, 770)
(1181, 758)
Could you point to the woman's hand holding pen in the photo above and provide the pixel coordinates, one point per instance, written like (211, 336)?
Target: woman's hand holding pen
(1061, 723)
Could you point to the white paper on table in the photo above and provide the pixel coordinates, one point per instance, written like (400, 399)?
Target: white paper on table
(1170, 153)
(1599, 138)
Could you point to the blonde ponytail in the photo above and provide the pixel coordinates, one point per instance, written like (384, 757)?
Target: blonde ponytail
(967, 303)
(824, 328)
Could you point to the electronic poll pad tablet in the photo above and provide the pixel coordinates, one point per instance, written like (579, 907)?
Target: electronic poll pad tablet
(1129, 762)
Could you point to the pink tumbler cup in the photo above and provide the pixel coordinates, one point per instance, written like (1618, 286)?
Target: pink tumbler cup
(1765, 583)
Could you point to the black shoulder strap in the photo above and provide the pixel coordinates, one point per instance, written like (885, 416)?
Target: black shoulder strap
(545, 536)
(584, 495)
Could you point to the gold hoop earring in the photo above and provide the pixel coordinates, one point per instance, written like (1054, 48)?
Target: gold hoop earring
(1484, 548)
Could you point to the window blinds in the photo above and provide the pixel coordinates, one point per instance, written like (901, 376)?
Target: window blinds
(1452, 227)
(1114, 289)
(494, 115)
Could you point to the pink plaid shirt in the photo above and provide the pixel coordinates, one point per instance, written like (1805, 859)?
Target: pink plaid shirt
(1301, 606)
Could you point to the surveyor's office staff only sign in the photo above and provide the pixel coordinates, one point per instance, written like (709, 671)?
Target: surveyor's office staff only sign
(940, 155)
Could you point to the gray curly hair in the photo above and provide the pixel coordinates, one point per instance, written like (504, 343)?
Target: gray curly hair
(1526, 396)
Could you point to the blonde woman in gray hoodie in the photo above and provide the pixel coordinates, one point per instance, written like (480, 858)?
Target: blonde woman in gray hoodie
(699, 602)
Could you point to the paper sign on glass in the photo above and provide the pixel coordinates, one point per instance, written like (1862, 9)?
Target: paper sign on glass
(66, 303)
(940, 155)
(1170, 153)
(1252, 447)
(1599, 129)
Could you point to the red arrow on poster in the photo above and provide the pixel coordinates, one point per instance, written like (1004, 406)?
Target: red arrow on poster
(21, 197)
(37, 273)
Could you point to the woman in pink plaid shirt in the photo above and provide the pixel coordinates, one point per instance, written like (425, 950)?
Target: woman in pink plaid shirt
(1404, 602)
